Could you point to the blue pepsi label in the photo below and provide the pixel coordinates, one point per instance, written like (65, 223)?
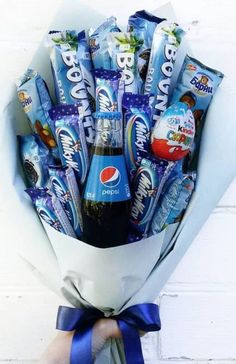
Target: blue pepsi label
(107, 180)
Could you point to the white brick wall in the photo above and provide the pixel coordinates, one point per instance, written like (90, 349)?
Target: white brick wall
(198, 303)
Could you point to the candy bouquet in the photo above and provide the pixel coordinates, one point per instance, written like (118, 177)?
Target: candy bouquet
(117, 167)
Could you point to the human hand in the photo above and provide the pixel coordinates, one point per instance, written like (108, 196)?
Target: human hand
(58, 351)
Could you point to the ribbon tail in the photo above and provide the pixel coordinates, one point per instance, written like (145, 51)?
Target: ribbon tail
(132, 343)
(81, 348)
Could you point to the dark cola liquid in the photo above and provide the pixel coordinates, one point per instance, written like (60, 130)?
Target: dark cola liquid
(105, 224)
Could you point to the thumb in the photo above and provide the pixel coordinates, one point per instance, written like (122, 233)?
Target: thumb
(103, 330)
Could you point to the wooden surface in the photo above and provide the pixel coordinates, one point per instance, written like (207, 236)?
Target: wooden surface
(198, 303)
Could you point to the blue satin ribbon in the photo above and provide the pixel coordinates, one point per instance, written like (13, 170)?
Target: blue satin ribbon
(144, 317)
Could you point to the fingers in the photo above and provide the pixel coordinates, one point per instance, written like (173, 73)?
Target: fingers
(114, 330)
(58, 351)
(103, 330)
(107, 328)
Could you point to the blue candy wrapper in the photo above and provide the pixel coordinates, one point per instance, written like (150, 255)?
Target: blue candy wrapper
(35, 158)
(69, 82)
(166, 40)
(36, 102)
(63, 184)
(173, 203)
(98, 43)
(84, 59)
(50, 210)
(147, 186)
(71, 139)
(179, 208)
(196, 86)
(142, 25)
(137, 127)
(123, 52)
(108, 95)
(135, 100)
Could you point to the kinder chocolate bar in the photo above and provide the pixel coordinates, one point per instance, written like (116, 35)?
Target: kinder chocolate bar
(137, 126)
(123, 52)
(173, 134)
(98, 43)
(166, 40)
(108, 97)
(173, 203)
(50, 210)
(36, 102)
(69, 81)
(142, 25)
(196, 86)
(84, 59)
(35, 158)
(147, 186)
(63, 184)
(71, 139)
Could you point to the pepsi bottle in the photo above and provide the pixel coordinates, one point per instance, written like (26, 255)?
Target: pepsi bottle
(106, 197)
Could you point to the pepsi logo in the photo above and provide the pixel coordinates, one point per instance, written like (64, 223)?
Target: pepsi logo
(110, 176)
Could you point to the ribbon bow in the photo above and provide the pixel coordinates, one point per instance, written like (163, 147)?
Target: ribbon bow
(144, 317)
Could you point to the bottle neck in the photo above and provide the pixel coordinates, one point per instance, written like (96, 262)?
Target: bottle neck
(108, 133)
